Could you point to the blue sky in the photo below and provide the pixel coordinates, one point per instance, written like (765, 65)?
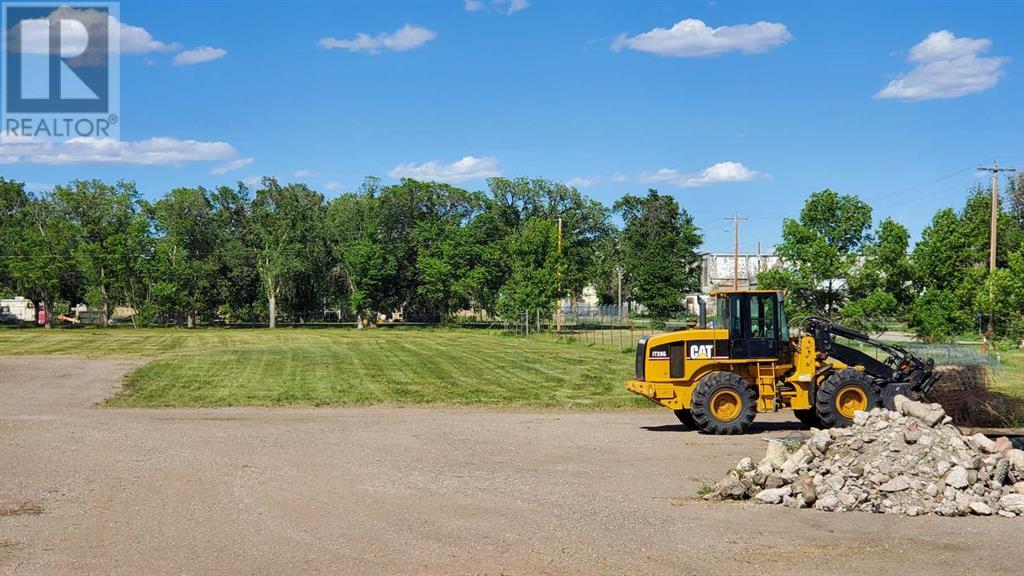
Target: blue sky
(747, 108)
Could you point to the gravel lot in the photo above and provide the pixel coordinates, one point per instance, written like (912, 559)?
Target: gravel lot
(88, 490)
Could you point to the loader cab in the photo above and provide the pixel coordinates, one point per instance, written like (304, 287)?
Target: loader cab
(756, 321)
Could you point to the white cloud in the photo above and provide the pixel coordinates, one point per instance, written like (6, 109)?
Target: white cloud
(579, 182)
(515, 5)
(715, 174)
(137, 40)
(332, 185)
(946, 67)
(506, 6)
(235, 164)
(468, 168)
(405, 38)
(253, 181)
(198, 55)
(150, 152)
(126, 38)
(305, 173)
(692, 37)
(619, 177)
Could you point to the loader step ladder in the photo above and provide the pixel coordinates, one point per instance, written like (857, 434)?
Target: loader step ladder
(766, 387)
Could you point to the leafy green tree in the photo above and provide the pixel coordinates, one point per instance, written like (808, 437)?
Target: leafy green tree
(185, 262)
(950, 265)
(39, 245)
(445, 255)
(1003, 296)
(659, 251)
(510, 204)
(535, 262)
(942, 257)
(881, 287)
(976, 219)
(1015, 197)
(606, 269)
(355, 239)
(287, 224)
(238, 285)
(13, 202)
(819, 252)
(111, 239)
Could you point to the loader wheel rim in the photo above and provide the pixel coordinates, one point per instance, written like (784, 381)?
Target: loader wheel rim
(726, 405)
(849, 400)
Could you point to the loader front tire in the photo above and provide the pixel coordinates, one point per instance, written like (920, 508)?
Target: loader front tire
(842, 394)
(723, 403)
(686, 417)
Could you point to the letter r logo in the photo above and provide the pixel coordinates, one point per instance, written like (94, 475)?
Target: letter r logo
(56, 58)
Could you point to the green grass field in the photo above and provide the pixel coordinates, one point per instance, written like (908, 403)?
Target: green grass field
(260, 367)
(1009, 377)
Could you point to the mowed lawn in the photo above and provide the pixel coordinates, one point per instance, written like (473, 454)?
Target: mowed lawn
(1009, 376)
(301, 366)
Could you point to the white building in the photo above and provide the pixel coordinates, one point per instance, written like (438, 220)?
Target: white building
(718, 270)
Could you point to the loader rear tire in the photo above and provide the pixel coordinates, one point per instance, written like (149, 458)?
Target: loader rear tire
(842, 394)
(686, 417)
(723, 403)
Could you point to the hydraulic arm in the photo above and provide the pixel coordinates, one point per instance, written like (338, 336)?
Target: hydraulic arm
(901, 370)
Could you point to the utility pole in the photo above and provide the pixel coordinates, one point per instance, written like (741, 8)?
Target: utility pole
(736, 250)
(995, 170)
(558, 302)
(619, 270)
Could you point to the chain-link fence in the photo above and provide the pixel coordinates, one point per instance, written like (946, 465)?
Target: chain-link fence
(612, 326)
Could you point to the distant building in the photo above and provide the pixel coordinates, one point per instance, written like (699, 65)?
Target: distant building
(717, 270)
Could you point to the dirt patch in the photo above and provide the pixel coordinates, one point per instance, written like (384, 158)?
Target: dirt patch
(387, 490)
(23, 509)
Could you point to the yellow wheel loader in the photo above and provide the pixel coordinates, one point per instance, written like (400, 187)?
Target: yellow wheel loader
(717, 377)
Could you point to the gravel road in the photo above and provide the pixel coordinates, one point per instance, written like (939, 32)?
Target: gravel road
(89, 490)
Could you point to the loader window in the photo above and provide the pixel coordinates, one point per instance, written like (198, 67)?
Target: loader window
(754, 325)
(762, 316)
(783, 325)
(736, 317)
(722, 312)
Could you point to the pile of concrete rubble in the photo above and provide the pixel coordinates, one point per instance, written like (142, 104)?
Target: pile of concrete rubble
(913, 461)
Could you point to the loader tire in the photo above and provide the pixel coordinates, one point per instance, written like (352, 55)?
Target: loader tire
(686, 417)
(808, 418)
(723, 403)
(842, 394)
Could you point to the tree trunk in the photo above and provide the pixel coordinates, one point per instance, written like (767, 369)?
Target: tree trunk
(130, 302)
(272, 306)
(104, 307)
(48, 310)
(191, 321)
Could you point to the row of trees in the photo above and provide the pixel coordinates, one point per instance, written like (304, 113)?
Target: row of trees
(837, 265)
(427, 250)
